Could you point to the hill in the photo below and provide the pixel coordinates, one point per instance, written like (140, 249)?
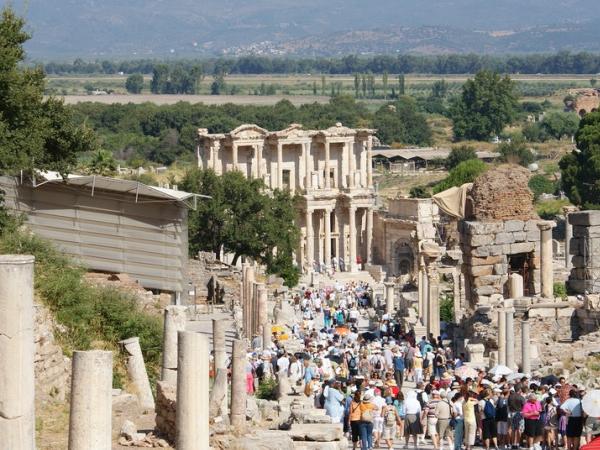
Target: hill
(147, 28)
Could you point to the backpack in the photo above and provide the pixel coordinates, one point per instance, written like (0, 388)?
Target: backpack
(489, 410)
(502, 410)
(378, 364)
(420, 399)
(260, 370)
(390, 417)
(352, 363)
(321, 400)
(425, 363)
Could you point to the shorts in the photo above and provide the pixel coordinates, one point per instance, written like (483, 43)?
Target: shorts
(389, 432)
(574, 427)
(516, 422)
(443, 428)
(354, 430)
(488, 429)
(432, 426)
(534, 428)
(377, 424)
(412, 425)
(502, 428)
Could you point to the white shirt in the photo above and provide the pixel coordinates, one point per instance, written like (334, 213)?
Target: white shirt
(379, 403)
(412, 406)
(283, 364)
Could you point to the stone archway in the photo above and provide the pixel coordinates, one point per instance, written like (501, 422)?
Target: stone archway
(403, 258)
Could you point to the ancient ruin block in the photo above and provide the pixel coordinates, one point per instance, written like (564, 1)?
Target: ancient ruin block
(504, 238)
(478, 271)
(584, 218)
(522, 247)
(521, 236)
(513, 225)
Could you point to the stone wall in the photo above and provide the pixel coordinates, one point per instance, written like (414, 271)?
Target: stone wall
(585, 250)
(166, 406)
(52, 368)
(486, 247)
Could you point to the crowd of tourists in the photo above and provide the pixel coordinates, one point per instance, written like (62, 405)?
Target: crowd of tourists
(385, 385)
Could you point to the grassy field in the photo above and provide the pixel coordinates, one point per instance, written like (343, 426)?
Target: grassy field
(246, 88)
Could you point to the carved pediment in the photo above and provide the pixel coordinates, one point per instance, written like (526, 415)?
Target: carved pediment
(248, 131)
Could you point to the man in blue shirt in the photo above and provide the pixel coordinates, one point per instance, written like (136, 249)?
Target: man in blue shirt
(398, 367)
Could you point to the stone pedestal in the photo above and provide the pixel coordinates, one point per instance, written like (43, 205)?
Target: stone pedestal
(91, 401)
(192, 392)
(238, 385)
(475, 353)
(137, 371)
(390, 298)
(175, 319)
(17, 351)
(515, 286)
(547, 273)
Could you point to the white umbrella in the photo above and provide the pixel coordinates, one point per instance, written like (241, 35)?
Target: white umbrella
(591, 403)
(500, 370)
(515, 376)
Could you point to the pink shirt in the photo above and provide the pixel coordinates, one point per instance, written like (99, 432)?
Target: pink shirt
(531, 410)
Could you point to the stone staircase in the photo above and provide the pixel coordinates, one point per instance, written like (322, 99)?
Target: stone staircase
(203, 325)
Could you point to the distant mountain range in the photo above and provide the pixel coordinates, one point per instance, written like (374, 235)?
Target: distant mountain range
(158, 28)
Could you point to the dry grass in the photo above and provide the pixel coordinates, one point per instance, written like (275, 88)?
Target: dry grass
(52, 426)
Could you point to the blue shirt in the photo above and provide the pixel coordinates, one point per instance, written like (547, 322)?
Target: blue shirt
(398, 363)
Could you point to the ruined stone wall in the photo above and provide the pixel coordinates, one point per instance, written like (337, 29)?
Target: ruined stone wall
(585, 250)
(486, 247)
(166, 406)
(52, 368)
(586, 100)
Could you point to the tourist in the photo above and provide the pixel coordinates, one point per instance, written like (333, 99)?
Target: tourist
(399, 405)
(487, 411)
(573, 410)
(334, 399)
(355, 417)
(534, 429)
(516, 401)
(391, 420)
(412, 420)
(444, 413)
(457, 420)
(470, 419)
(550, 423)
(378, 419)
(399, 366)
(418, 367)
(366, 422)
(432, 419)
(502, 416)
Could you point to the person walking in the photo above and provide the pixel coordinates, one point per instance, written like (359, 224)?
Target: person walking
(470, 420)
(367, 409)
(399, 367)
(399, 405)
(432, 419)
(412, 422)
(354, 417)
(391, 420)
(573, 410)
(334, 406)
(534, 429)
(458, 419)
(444, 413)
(489, 433)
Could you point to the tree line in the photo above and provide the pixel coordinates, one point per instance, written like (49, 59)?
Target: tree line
(556, 63)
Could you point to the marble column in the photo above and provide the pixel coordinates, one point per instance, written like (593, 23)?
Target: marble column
(327, 168)
(352, 250)
(17, 352)
(515, 286)
(259, 152)
(390, 298)
(525, 345)
(90, 417)
(510, 338)
(423, 295)
(220, 361)
(307, 168)
(266, 336)
(234, 155)
(137, 372)
(263, 307)
(568, 236)
(280, 165)
(433, 308)
(370, 235)
(502, 337)
(456, 294)
(238, 386)
(192, 414)
(310, 240)
(327, 225)
(175, 318)
(352, 168)
(370, 162)
(547, 273)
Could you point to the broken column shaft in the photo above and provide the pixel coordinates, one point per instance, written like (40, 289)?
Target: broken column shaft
(174, 322)
(137, 371)
(238, 385)
(17, 386)
(90, 426)
(547, 271)
(389, 299)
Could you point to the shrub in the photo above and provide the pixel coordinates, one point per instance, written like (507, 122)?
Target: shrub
(539, 185)
(550, 209)
(465, 172)
(560, 290)
(515, 152)
(419, 192)
(460, 154)
(267, 389)
(447, 309)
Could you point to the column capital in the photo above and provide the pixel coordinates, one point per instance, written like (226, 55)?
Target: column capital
(546, 225)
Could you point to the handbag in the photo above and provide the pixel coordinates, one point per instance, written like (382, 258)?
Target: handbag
(366, 416)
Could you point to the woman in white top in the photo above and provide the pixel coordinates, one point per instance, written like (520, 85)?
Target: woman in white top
(412, 421)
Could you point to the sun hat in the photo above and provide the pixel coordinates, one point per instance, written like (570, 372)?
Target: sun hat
(367, 397)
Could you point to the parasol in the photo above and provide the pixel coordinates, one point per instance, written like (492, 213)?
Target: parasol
(515, 376)
(465, 372)
(591, 403)
(501, 370)
(550, 380)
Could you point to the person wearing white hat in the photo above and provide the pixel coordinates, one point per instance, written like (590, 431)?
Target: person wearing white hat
(418, 367)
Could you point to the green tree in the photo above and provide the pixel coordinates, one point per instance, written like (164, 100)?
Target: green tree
(160, 79)
(460, 154)
(487, 104)
(539, 185)
(218, 85)
(515, 152)
(102, 163)
(560, 124)
(401, 85)
(240, 218)
(323, 84)
(401, 122)
(439, 89)
(580, 169)
(385, 84)
(356, 85)
(35, 133)
(134, 83)
(593, 82)
(465, 172)
(364, 86)
(419, 192)
(314, 88)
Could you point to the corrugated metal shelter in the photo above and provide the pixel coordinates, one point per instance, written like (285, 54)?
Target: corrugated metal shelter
(110, 225)
(391, 159)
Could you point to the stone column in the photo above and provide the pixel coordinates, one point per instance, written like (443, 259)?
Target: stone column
(502, 337)
(234, 155)
(370, 235)
(547, 273)
(279, 165)
(568, 236)
(390, 297)
(352, 167)
(90, 426)
(238, 386)
(137, 371)
(175, 318)
(263, 306)
(220, 359)
(456, 294)
(515, 286)
(259, 152)
(192, 392)
(510, 338)
(525, 345)
(266, 336)
(307, 168)
(352, 250)
(17, 351)
(310, 239)
(327, 168)
(327, 225)
(370, 162)
(433, 308)
(423, 294)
